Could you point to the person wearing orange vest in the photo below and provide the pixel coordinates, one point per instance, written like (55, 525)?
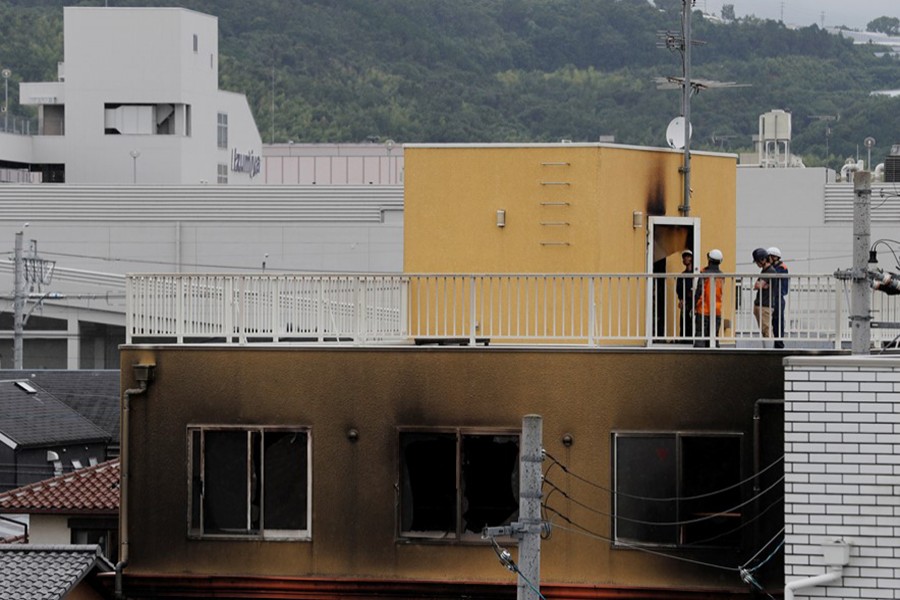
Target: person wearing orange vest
(708, 298)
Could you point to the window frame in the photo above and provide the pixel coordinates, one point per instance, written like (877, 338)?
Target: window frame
(679, 479)
(459, 535)
(222, 130)
(197, 531)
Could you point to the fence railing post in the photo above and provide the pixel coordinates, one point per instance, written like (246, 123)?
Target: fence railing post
(179, 309)
(592, 312)
(838, 315)
(472, 309)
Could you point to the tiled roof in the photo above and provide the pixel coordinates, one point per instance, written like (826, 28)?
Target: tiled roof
(94, 393)
(45, 572)
(91, 490)
(40, 419)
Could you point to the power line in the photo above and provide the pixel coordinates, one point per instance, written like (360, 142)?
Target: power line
(747, 523)
(766, 545)
(507, 561)
(670, 523)
(587, 532)
(662, 499)
(192, 265)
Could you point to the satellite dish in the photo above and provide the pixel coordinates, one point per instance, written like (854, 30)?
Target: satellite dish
(675, 133)
(869, 142)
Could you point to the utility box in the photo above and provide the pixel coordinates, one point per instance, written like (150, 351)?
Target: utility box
(836, 553)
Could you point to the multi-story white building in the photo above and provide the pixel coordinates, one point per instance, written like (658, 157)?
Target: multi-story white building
(137, 101)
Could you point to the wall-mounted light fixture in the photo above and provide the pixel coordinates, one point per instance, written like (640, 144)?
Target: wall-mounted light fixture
(501, 218)
(637, 219)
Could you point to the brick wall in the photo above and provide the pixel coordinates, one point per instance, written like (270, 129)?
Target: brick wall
(842, 471)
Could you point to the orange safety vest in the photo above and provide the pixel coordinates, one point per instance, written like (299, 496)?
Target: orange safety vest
(703, 306)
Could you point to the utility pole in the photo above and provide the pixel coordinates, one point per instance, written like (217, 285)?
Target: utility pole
(528, 528)
(861, 295)
(18, 302)
(687, 90)
(530, 475)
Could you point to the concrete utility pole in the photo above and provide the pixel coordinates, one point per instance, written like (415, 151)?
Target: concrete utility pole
(530, 475)
(861, 296)
(18, 302)
(528, 527)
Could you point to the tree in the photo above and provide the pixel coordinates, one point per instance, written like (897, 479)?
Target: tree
(728, 12)
(888, 25)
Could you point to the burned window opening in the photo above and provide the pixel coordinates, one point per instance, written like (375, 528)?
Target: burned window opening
(453, 484)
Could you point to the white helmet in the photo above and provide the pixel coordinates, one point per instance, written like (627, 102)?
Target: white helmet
(773, 251)
(714, 254)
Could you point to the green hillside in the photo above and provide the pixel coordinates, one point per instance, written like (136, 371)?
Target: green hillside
(510, 70)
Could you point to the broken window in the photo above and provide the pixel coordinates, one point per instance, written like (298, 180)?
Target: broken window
(677, 489)
(455, 483)
(249, 482)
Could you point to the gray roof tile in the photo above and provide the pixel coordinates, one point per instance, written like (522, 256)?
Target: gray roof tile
(94, 393)
(37, 419)
(45, 572)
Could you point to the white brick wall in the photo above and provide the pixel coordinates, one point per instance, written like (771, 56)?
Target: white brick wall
(842, 471)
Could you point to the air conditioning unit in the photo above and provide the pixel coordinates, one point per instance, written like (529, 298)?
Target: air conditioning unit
(892, 165)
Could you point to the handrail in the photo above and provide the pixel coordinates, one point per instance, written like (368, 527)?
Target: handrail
(635, 309)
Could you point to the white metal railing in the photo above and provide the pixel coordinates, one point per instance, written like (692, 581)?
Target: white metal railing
(592, 309)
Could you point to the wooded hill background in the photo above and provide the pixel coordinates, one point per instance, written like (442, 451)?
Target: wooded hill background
(510, 71)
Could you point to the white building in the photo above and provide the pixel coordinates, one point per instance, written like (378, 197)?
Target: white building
(373, 163)
(137, 101)
(841, 466)
(135, 126)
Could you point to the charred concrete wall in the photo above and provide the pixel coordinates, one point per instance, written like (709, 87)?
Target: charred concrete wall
(585, 394)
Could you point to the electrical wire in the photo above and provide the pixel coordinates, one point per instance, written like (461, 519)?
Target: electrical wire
(507, 561)
(887, 243)
(587, 532)
(185, 264)
(746, 575)
(766, 545)
(663, 499)
(675, 523)
(746, 523)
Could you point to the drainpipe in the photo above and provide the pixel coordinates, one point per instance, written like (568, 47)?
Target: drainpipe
(837, 556)
(143, 374)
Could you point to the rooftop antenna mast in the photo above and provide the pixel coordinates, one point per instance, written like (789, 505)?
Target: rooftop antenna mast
(683, 43)
(686, 91)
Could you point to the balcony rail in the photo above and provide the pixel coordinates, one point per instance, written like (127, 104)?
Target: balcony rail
(582, 309)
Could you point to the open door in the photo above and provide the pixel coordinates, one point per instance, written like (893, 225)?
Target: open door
(667, 237)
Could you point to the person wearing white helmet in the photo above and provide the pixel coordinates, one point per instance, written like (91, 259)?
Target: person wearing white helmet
(708, 303)
(779, 294)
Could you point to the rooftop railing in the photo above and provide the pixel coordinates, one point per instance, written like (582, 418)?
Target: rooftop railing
(581, 309)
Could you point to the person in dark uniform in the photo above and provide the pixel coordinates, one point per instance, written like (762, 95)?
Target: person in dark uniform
(684, 289)
(780, 289)
(765, 293)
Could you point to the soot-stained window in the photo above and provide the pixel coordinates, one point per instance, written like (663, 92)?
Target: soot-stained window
(249, 482)
(677, 489)
(455, 483)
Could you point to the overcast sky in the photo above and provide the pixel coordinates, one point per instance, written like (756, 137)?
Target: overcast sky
(852, 13)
